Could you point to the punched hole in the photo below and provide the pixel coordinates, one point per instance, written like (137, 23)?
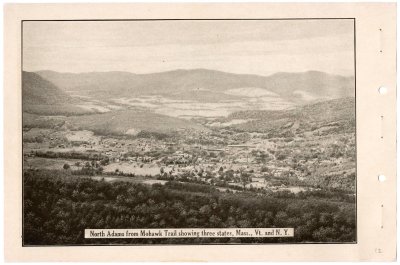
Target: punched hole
(382, 90)
(381, 178)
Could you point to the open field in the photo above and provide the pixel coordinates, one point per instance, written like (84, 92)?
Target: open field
(46, 163)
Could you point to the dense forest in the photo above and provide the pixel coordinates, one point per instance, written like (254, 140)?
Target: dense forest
(58, 207)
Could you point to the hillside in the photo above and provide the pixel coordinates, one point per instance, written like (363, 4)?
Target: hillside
(38, 91)
(117, 123)
(338, 114)
(302, 87)
(40, 96)
(130, 122)
(180, 205)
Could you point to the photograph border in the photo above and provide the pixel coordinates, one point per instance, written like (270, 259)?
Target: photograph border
(376, 200)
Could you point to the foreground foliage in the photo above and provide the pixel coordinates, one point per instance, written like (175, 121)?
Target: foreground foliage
(57, 209)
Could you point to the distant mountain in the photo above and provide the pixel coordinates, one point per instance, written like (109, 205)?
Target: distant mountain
(301, 87)
(312, 83)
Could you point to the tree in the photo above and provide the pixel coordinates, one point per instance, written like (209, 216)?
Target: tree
(39, 139)
(104, 161)
(66, 166)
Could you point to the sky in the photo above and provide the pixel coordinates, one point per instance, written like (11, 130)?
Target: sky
(259, 47)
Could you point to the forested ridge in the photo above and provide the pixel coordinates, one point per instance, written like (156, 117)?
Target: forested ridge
(58, 207)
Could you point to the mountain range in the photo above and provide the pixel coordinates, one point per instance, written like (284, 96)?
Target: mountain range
(157, 102)
(296, 87)
(179, 93)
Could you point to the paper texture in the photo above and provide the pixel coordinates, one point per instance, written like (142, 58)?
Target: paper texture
(200, 132)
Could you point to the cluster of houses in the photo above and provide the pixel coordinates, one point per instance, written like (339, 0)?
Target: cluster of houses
(199, 162)
(186, 162)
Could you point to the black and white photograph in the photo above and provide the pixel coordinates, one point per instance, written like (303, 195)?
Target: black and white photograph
(189, 131)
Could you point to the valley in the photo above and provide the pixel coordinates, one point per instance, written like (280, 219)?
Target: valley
(209, 150)
(251, 150)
